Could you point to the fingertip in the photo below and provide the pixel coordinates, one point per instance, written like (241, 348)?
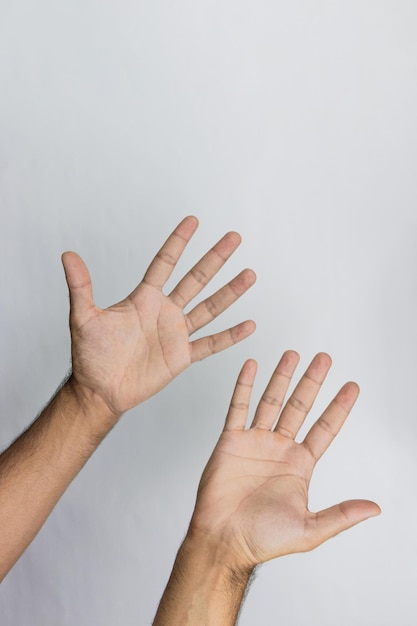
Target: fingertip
(251, 326)
(68, 256)
(348, 395)
(235, 237)
(290, 358)
(373, 510)
(242, 282)
(76, 273)
(65, 255)
(357, 511)
(323, 357)
(66, 262)
(187, 227)
(319, 367)
(247, 329)
(248, 372)
(252, 277)
(293, 354)
(192, 218)
(354, 387)
(377, 511)
(243, 330)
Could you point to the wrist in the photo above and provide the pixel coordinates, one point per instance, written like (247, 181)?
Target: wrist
(91, 404)
(206, 588)
(218, 556)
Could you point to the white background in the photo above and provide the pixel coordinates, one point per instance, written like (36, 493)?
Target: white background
(293, 123)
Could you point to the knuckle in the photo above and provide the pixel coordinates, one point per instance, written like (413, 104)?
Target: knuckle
(298, 404)
(324, 425)
(212, 344)
(166, 257)
(240, 406)
(271, 400)
(285, 432)
(199, 276)
(211, 307)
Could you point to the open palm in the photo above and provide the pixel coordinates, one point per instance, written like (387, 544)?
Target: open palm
(253, 495)
(131, 350)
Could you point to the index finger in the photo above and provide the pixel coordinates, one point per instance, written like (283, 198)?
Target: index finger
(207, 267)
(167, 257)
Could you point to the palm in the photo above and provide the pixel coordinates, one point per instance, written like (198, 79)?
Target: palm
(131, 350)
(254, 491)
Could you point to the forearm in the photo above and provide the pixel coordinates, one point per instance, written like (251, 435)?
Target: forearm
(37, 468)
(204, 589)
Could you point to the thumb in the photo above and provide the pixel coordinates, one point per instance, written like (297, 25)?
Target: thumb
(340, 517)
(79, 285)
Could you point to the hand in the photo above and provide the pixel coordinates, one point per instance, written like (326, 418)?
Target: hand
(128, 352)
(252, 498)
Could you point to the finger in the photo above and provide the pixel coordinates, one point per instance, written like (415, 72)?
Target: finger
(322, 433)
(204, 347)
(334, 520)
(208, 310)
(274, 394)
(166, 259)
(303, 396)
(79, 285)
(239, 405)
(198, 277)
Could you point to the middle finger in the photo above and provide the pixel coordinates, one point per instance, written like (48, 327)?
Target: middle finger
(303, 396)
(203, 271)
(273, 397)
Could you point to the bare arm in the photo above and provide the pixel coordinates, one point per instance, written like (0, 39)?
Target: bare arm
(37, 468)
(120, 357)
(252, 499)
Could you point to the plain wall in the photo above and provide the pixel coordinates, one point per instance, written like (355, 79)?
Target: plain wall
(291, 122)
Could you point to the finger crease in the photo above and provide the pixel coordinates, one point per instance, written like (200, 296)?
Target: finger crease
(190, 325)
(284, 432)
(166, 258)
(212, 344)
(177, 299)
(81, 286)
(326, 426)
(279, 374)
(223, 258)
(310, 451)
(241, 406)
(199, 276)
(341, 406)
(271, 400)
(313, 380)
(261, 426)
(297, 404)
(175, 234)
(211, 307)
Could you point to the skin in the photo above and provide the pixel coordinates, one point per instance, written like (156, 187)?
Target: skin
(130, 351)
(252, 501)
(121, 356)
